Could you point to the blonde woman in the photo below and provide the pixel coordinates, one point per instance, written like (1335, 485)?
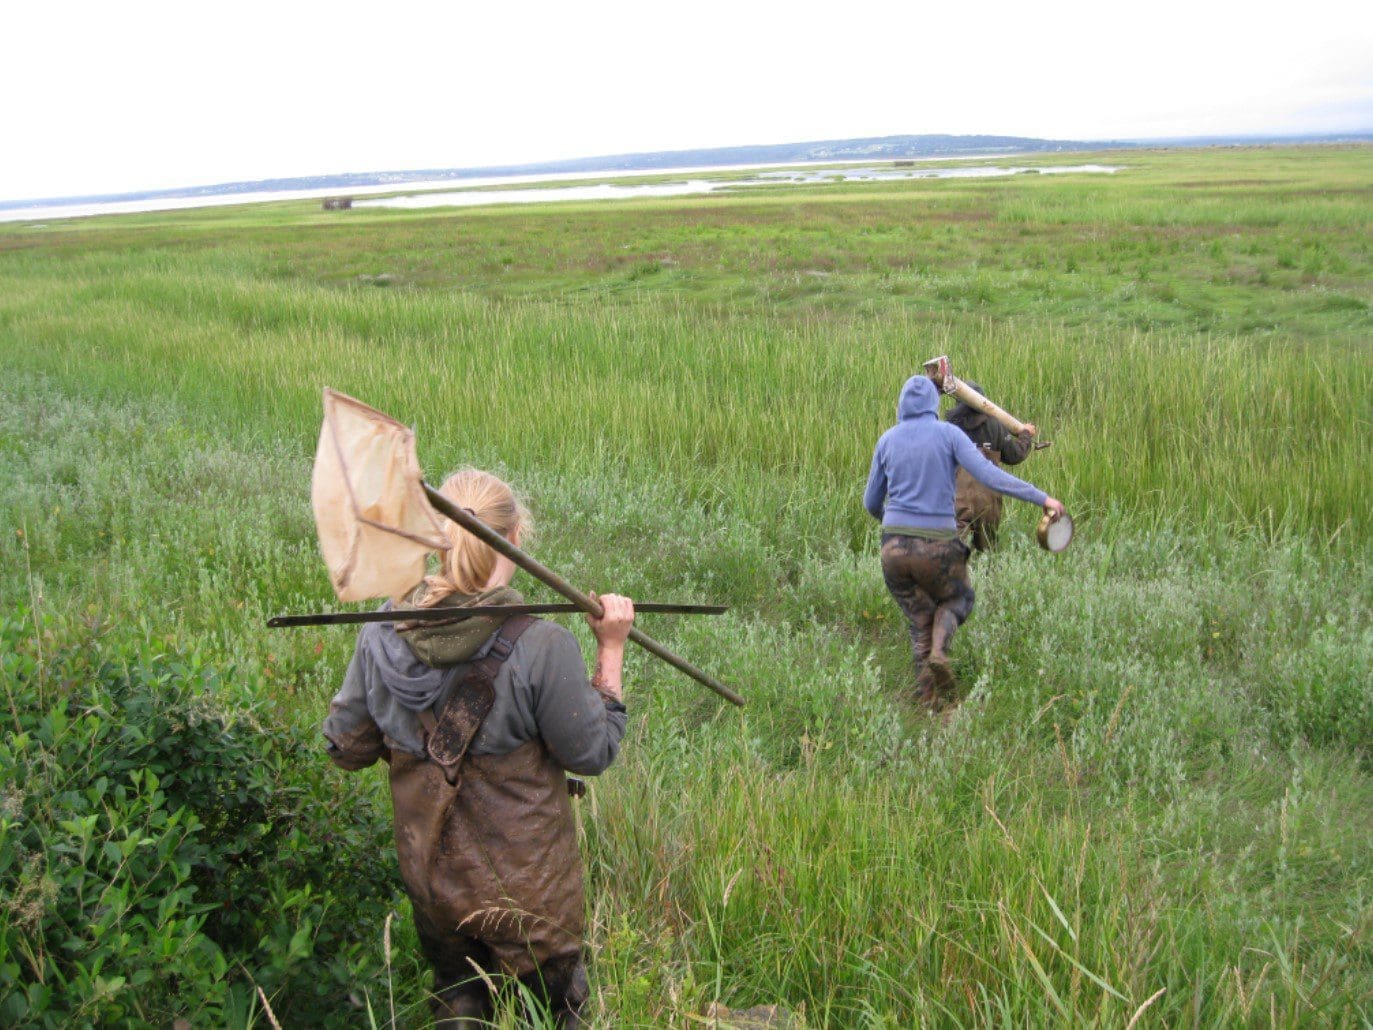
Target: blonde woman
(484, 828)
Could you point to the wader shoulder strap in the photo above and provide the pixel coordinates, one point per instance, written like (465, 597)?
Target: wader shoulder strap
(450, 731)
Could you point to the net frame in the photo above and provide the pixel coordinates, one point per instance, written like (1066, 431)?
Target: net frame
(376, 528)
(393, 576)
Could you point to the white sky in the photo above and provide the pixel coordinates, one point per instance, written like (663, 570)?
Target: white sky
(106, 97)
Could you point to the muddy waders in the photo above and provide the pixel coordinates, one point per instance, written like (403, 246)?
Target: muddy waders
(977, 508)
(929, 581)
(488, 853)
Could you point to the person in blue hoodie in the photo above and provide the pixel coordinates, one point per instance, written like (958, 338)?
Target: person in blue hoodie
(924, 562)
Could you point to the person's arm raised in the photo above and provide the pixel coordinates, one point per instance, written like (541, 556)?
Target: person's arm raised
(611, 631)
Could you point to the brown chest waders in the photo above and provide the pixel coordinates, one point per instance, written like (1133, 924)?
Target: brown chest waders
(449, 734)
(977, 508)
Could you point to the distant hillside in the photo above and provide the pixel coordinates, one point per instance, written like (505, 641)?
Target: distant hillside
(870, 148)
(885, 147)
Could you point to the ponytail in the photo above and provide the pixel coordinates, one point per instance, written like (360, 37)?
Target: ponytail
(468, 563)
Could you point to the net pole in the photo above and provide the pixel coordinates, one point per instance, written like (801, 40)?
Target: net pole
(471, 611)
(544, 574)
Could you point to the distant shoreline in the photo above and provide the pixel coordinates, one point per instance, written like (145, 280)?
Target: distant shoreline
(495, 184)
(717, 158)
(882, 148)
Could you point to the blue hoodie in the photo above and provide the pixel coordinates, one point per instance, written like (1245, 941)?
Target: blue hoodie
(912, 477)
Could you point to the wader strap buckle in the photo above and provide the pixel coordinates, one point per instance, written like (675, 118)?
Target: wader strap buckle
(501, 649)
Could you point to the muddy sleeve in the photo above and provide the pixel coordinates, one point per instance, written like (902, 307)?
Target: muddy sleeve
(875, 496)
(1014, 447)
(966, 454)
(580, 728)
(355, 740)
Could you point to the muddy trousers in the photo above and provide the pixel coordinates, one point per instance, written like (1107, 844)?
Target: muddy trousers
(929, 581)
(463, 997)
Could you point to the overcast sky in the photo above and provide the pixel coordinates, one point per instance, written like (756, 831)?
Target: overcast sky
(106, 97)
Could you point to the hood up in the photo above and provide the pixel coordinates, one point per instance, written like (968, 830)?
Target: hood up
(919, 397)
(414, 662)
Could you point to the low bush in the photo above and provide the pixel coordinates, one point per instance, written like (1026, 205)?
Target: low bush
(165, 851)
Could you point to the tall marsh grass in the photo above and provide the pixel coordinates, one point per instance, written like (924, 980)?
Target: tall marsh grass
(1272, 436)
(1159, 781)
(1155, 803)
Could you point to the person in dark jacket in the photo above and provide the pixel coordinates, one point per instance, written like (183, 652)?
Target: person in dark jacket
(924, 563)
(977, 508)
(487, 843)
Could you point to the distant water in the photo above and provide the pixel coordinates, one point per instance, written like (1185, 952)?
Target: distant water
(442, 194)
(128, 207)
(609, 191)
(600, 191)
(957, 172)
(144, 204)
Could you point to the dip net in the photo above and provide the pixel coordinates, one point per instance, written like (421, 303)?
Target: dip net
(376, 527)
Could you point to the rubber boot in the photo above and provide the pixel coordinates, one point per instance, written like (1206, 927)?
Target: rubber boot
(562, 985)
(464, 1007)
(942, 680)
(925, 693)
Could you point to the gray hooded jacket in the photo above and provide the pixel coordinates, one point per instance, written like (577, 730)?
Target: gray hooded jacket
(542, 691)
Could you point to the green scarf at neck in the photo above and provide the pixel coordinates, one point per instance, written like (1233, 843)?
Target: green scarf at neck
(455, 642)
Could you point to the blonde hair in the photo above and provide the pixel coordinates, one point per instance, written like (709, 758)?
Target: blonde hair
(468, 563)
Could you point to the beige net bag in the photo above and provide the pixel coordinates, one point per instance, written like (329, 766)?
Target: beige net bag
(375, 526)
(378, 522)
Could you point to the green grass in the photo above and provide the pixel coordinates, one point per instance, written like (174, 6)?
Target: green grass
(1161, 780)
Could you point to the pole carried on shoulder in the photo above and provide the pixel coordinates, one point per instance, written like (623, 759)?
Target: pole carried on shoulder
(472, 611)
(544, 574)
(1054, 532)
(376, 520)
(940, 371)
